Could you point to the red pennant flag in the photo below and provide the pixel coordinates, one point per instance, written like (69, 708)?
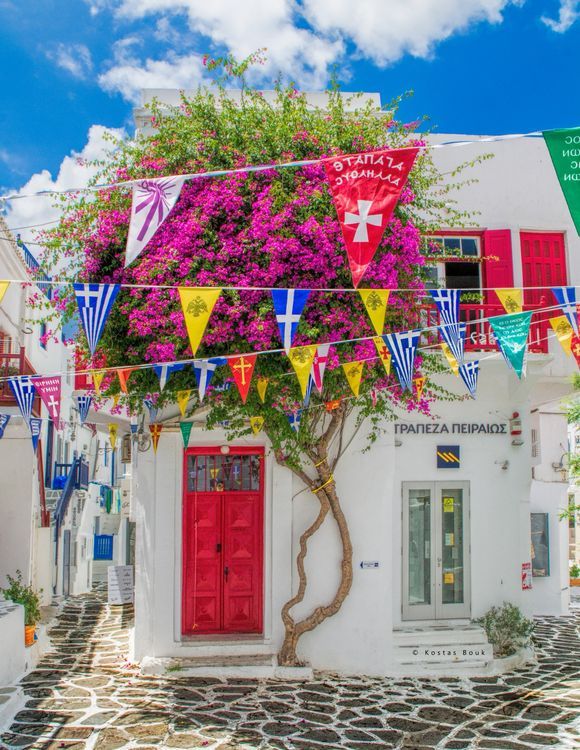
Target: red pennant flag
(319, 365)
(366, 188)
(123, 376)
(576, 349)
(242, 369)
(332, 405)
(155, 430)
(49, 391)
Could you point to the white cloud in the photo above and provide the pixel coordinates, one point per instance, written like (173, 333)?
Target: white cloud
(74, 58)
(568, 14)
(74, 172)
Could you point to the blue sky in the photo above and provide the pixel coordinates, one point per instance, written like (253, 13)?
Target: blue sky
(73, 68)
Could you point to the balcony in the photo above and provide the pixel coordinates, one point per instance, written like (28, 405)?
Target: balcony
(13, 362)
(479, 336)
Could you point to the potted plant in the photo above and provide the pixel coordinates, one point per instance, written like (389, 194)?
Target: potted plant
(507, 629)
(575, 575)
(19, 593)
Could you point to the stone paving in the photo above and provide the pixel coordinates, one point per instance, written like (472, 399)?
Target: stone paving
(85, 696)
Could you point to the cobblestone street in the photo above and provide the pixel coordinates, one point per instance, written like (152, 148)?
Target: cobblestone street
(83, 694)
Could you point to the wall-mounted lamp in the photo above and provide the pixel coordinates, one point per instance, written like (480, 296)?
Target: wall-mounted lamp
(517, 441)
(503, 464)
(224, 449)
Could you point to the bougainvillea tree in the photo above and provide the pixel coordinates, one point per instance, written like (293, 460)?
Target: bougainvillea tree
(272, 229)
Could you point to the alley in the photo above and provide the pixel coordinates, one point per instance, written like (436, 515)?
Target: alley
(84, 695)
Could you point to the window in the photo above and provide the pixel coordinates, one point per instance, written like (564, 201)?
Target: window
(454, 273)
(218, 473)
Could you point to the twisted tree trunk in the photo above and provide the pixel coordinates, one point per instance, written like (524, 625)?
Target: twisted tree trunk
(324, 489)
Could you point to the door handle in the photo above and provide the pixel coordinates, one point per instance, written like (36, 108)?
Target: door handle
(218, 547)
(226, 572)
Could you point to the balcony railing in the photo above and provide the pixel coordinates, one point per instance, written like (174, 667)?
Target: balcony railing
(11, 364)
(479, 336)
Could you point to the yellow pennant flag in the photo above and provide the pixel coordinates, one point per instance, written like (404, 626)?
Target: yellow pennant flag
(453, 363)
(155, 430)
(113, 434)
(97, 380)
(261, 385)
(3, 287)
(563, 331)
(116, 398)
(302, 358)
(256, 423)
(384, 353)
(353, 372)
(197, 304)
(183, 399)
(420, 386)
(511, 299)
(375, 302)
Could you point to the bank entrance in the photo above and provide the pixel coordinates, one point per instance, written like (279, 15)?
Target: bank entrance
(436, 551)
(222, 562)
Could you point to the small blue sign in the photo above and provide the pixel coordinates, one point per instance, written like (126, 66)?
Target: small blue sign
(448, 457)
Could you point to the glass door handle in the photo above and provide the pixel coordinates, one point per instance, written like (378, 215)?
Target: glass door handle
(226, 572)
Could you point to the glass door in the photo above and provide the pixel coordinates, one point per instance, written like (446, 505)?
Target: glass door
(436, 572)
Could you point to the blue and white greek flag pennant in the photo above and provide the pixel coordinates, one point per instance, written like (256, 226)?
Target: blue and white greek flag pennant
(403, 347)
(164, 371)
(84, 402)
(4, 419)
(94, 302)
(566, 298)
(35, 425)
(288, 304)
(294, 418)
(469, 372)
(451, 330)
(24, 393)
(308, 391)
(151, 408)
(204, 370)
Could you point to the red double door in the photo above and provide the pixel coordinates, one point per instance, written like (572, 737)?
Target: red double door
(222, 589)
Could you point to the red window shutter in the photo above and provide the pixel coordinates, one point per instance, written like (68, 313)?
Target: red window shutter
(498, 265)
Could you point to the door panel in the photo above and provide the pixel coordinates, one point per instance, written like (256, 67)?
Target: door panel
(436, 565)
(222, 541)
(498, 270)
(543, 264)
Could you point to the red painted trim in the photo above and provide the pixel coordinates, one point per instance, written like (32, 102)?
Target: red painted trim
(241, 450)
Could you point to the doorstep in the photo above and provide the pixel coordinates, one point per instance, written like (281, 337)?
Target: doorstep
(248, 666)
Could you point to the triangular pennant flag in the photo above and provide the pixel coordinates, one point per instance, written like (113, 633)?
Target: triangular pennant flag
(375, 302)
(453, 363)
(319, 365)
(261, 386)
(134, 424)
(419, 384)
(164, 371)
(512, 300)
(576, 349)
(185, 428)
(4, 419)
(289, 304)
(155, 430)
(469, 372)
(451, 330)
(84, 402)
(94, 302)
(24, 393)
(123, 376)
(242, 369)
(332, 405)
(403, 347)
(153, 199)
(116, 397)
(97, 380)
(197, 304)
(3, 287)
(512, 333)
(563, 331)
(294, 418)
(48, 389)
(35, 425)
(566, 299)
(151, 408)
(301, 358)
(563, 147)
(204, 370)
(308, 391)
(353, 372)
(366, 188)
(256, 424)
(383, 352)
(183, 399)
(113, 434)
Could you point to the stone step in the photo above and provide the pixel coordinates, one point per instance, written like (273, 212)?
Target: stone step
(439, 635)
(249, 666)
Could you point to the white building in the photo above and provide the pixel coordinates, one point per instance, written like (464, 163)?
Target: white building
(434, 545)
